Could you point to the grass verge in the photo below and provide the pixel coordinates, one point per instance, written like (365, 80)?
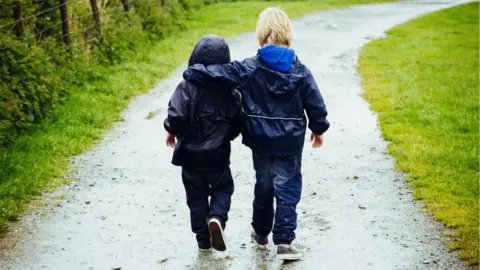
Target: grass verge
(39, 157)
(423, 81)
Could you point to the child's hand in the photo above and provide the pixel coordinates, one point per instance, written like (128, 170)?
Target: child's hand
(317, 140)
(171, 140)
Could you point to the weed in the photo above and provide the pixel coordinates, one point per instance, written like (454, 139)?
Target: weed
(423, 81)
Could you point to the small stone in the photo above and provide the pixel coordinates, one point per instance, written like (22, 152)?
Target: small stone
(356, 177)
(435, 261)
(426, 262)
(87, 202)
(162, 261)
(313, 193)
(363, 207)
(228, 257)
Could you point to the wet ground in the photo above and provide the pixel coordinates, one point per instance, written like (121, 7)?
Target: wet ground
(126, 207)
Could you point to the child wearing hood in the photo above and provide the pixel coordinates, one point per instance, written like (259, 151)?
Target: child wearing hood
(201, 123)
(278, 93)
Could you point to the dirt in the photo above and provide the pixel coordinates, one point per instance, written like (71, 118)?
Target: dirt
(126, 209)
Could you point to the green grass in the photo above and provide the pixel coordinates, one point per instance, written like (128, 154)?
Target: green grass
(38, 159)
(423, 81)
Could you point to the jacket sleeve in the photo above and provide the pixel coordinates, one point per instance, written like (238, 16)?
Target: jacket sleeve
(237, 122)
(314, 106)
(178, 110)
(227, 76)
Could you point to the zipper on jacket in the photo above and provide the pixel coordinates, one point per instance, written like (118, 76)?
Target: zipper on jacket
(275, 118)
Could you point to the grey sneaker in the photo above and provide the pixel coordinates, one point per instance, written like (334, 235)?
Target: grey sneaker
(260, 241)
(205, 246)
(205, 249)
(288, 253)
(216, 233)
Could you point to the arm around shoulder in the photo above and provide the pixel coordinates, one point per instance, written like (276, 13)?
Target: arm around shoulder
(212, 76)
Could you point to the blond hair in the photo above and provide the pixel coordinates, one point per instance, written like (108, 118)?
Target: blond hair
(274, 27)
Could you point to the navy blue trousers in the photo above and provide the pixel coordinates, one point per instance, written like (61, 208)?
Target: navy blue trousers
(279, 178)
(200, 186)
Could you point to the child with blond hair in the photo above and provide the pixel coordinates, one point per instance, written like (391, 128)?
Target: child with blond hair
(277, 91)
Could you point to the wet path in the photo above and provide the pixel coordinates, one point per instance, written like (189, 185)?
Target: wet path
(127, 208)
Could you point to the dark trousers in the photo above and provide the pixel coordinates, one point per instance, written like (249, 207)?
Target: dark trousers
(279, 178)
(199, 186)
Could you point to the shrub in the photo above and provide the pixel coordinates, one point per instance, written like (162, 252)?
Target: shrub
(36, 72)
(29, 87)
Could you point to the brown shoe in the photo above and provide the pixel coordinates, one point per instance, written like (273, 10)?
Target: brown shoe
(260, 241)
(288, 253)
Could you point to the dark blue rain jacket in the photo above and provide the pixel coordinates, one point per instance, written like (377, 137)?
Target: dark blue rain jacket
(205, 120)
(277, 90)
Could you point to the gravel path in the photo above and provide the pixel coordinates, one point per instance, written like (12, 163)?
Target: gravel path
(126, 207)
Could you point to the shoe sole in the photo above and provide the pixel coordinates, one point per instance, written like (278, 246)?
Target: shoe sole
(262, 247)
(289, 257)
(216, 232)
(205, 250)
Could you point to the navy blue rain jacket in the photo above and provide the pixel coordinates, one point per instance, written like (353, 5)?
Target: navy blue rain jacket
(277, 90)
(204, 120)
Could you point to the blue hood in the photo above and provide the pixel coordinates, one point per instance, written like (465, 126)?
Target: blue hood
(277, 58)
